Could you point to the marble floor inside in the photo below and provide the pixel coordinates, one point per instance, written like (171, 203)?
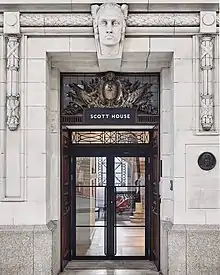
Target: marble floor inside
(110, 272)
(130, 241)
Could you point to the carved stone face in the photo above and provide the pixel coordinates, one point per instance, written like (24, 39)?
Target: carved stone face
(110, 27)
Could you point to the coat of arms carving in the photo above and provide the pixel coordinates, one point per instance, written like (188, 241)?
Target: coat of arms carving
(110, 91)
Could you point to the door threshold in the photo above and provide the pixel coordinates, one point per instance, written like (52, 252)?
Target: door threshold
(111, 265)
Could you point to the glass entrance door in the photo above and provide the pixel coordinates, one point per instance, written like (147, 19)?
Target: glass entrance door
(91, 196)
(111, 208)
(129, 209)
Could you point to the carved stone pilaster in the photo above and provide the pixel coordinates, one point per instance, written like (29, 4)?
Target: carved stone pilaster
(13, 95)
(206, 77)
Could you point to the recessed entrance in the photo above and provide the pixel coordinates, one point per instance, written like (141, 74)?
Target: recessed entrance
(110, 178)
(110, 213)
(110, 217)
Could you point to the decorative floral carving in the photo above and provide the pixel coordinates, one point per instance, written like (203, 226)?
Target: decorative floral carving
(110, 91)
(186, 20)
(163, 20)
(206, 95)
(56, 20)
(13, 96)
(133, 20)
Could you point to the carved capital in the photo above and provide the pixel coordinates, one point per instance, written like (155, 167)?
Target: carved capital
(13, 95)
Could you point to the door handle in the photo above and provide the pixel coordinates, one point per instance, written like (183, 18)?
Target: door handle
(115, 220)
(114, 205)
(105, 208)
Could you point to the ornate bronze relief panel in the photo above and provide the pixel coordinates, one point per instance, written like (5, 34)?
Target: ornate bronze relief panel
(102, 92)
(207, 161)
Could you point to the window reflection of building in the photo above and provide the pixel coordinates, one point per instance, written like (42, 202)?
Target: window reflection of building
(85, 176)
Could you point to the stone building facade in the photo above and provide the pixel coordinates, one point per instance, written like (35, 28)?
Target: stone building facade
(41, 39)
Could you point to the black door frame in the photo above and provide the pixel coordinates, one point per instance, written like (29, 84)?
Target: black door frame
(111, 151)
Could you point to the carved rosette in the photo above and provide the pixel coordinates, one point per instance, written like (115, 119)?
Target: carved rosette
(206, 74)
(13, 95)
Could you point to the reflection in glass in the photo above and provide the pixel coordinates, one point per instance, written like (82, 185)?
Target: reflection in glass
(101, 171)
(130, 241)
(90, 209)
(129, 171)
(90, 214)
(121, 170)
(130, 191)
(92, 192)
(85, 191)
(90, 197)
(90, 241)
(130, 206)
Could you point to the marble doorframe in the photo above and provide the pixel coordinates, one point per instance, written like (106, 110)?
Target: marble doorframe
(54, 135)
(55, 66)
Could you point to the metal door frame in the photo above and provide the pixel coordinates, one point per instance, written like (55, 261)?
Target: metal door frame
(110, 151)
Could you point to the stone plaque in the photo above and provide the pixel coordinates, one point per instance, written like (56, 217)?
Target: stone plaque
(206, 161)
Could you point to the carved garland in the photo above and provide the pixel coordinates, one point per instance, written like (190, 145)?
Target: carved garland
(134, 20)
(85, 20)
(13, 96)
(206, 75)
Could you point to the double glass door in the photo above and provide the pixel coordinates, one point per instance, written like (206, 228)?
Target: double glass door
(111, 208)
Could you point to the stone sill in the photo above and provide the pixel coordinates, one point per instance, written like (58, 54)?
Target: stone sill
(50, 226)
(169, 226)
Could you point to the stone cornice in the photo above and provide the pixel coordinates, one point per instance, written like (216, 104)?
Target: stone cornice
(85, 20)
